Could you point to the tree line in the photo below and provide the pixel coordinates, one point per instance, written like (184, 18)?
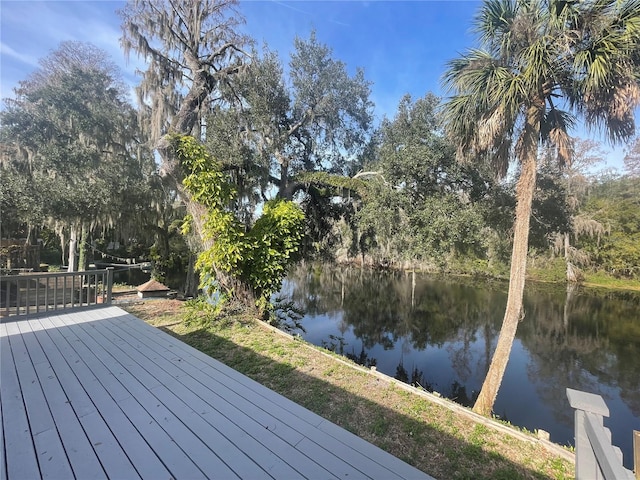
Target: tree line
(232, 166)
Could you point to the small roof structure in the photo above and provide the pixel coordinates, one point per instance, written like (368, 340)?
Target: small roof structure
(152, 288)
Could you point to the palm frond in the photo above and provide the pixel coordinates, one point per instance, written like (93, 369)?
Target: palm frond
(563, 144)
(556, 119)
(493, 23)
(460, 117)
(587, 52)
(536, 63)
(463, 73)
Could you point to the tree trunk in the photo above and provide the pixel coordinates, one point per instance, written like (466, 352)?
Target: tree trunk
(191, 284)
(524, 197)
(73, 245)
(83, 248)
(525, 188)
(63, 243)
(283, 188)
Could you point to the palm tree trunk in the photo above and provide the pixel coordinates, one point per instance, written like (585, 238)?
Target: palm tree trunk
(524, 193)
(524, 197)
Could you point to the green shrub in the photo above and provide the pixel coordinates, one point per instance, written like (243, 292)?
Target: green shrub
(256, 258)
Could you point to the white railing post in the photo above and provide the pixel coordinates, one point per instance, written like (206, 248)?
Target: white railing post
(596, 458)
(636, 453)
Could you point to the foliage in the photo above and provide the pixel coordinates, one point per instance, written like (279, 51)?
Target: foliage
(274, 239)
(203, 177)
(576, 181)
(632, 158)
(257, 257)
(415, 155)
(21, 202)
(550, 211)
(446, 225)
(545, 269)
(416, 202)
(200, 311)
(315, 118)
(616, 203)
(382, 223)
(70, 137)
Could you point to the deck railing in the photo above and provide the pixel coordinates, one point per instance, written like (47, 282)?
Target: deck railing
(596, 457)
(43, 292)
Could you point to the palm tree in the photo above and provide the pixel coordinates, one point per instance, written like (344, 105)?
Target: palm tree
(543, 64)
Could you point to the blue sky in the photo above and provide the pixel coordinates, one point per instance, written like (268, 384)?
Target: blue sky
(403, 46)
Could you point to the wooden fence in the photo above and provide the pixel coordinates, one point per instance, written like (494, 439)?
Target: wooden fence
(43, 292)
(596, 457)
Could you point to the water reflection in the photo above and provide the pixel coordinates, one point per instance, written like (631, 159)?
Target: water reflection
(440, 333)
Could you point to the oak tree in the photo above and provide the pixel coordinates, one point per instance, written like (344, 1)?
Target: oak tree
(72, 134)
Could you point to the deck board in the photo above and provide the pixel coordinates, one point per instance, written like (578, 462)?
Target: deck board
(69, 419)
(20, 461)
(102, 394)
(165, 408)
(166, 449)
(50, 454)
(241, 421)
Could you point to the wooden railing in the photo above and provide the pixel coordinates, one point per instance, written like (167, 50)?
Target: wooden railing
(596, 458)
(43, 292)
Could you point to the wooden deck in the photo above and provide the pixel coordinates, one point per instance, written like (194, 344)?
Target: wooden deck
(101, 394)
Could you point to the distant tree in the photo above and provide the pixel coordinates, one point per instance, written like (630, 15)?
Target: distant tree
(424, 204)
(538, 56)
(615, 202)
(72, 134)
(577, 181)
(415, 154)
(632, 158)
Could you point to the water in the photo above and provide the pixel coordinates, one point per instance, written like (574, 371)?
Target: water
(441, 332)
(130, 276)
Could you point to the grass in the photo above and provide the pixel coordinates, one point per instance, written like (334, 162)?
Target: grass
(122, 287)
(547, 270)
(600, 279)
(444, 443)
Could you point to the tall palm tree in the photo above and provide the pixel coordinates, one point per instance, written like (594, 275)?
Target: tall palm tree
(542, 66)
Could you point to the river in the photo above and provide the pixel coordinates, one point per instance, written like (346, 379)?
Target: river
(440, 332)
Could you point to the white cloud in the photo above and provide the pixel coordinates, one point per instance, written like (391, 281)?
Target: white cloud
(21, 57)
